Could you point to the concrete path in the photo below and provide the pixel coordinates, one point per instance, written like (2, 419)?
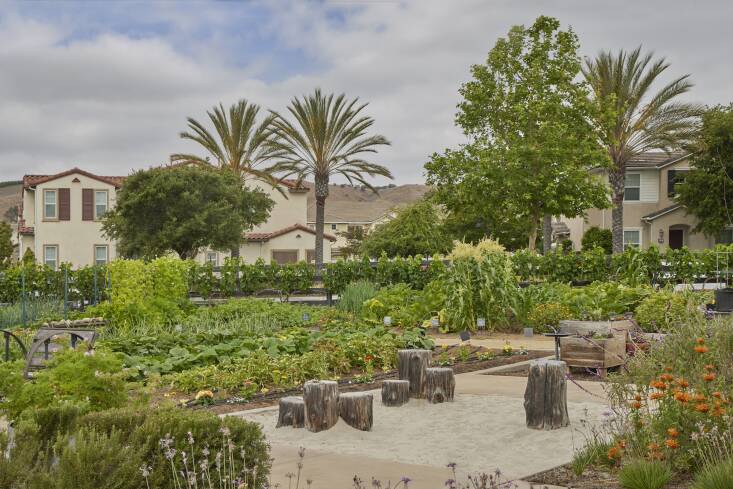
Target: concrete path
(483, 429)
(497, 341)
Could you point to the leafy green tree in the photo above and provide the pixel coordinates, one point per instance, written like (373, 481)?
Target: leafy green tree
(416, 229)
(596, 237)
(630, 119)
(6, 243)
(327, 137)
(707, 191)
(183, 209)
(354, 237)
(11, 215)
(528, 117)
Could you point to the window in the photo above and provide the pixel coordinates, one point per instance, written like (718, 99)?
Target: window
(51, 256)
(726, 236)
(632, 238)
(333, 227)
(101, 254)
(100, 203)
(632, 189)
(49, 204)
(212, 258)
(674, 177)
(285, 256)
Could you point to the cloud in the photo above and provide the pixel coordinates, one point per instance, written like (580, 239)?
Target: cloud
(107, 87)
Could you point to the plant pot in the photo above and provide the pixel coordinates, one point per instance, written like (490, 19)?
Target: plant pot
(528, 332)
(724, 299)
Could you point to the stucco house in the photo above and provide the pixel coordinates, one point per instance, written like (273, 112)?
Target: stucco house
(651, 216)
(60, 222)
(60, 217)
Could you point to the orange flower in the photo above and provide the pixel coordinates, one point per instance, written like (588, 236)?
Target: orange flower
(699, 397)
(658, 384)
(709, 367)
(717, 412)
(636, 405)
(672, 443)
(682, 383)
(613, 453)
(702, 407)
(666, 377)
(673, 433)
(709, 377)
(621, 443)
(716, 395)
(637, 397)
(682, 396)
(667, 369)
(656, 395)
(653, 446)
(700, 341)
(701, 348)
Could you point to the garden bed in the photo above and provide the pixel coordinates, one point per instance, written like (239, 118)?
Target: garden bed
(348, 384)
(593, 478)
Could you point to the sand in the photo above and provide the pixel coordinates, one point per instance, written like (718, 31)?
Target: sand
(478, 432)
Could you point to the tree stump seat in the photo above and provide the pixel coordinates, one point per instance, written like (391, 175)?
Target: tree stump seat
(440, 384)
(411, 365)
(545, 399)
(321, 404)
(395, 392)
(291, 412)
(355, 408)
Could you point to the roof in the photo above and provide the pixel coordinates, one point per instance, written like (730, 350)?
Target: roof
(29, 230)
(280, 232)
(33, 180)
(661, 212)
(560, 229)
(656, 159)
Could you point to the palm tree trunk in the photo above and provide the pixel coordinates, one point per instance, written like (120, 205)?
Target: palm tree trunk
(321, 194)
(546, 234)
(616, 179)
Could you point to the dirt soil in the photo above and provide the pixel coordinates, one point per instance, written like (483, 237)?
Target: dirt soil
(348, 385)
(593, 478)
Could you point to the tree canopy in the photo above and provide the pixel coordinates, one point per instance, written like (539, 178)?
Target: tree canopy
(415, 229)
(528, 120)
(183, 209)
(6, 243)
(707, 191)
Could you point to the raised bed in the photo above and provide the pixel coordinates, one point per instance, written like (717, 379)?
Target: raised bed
(594, 352)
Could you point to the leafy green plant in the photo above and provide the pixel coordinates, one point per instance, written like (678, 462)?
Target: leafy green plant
(354, 295)
(542, 317)
(595, 237)
(663, 310)
(644, 474)
(293, 277)
(715, 476)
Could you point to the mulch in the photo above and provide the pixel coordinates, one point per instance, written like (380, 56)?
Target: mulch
(271, 398)
(594, 478)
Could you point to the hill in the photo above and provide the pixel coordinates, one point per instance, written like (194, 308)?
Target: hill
(9, 197)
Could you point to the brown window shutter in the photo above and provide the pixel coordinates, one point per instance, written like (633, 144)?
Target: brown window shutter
(87, 204)
(64, 204)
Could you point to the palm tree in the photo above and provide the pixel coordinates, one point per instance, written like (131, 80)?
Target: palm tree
(328, 137)
(632, 119)
(239, 145)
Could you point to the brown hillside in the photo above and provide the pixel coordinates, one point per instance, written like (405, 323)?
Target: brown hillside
(9, 197)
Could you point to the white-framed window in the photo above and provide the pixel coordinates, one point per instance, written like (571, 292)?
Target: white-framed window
(632, 187)
(101, 254)
(212, 257)
(632, 238)
(333, 227)
(101, 199)
(50, 204)
(51, 256)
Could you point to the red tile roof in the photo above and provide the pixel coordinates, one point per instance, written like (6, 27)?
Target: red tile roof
(26, 230)
(274, 234)
(33, 180)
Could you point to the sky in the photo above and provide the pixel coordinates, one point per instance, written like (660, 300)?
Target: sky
(107, 86)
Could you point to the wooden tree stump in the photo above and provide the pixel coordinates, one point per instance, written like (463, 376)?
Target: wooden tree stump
(321, 404)
(545, 399)
(440, 385)
(356, 409)
(411, 365)
(291, 412)
(395, 392)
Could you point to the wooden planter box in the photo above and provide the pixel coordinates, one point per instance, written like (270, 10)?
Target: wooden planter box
(597, 353)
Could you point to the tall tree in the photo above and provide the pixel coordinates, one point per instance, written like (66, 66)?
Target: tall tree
(183, 209)
(631, 119)
(707, 191)
(528, 119)
(6, 244)
(327, 137)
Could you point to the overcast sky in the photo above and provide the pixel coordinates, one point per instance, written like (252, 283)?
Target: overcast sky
(107, 86)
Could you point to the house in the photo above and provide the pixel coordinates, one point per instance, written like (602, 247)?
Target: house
(651, 216)
(59, 217)
(284, 237)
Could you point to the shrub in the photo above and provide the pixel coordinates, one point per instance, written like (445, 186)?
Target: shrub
(354, 295)
(717, 476)
(595, 237)
(662, 311)
(476, 251)
(293, 277)
(644, 474)
(542, 317)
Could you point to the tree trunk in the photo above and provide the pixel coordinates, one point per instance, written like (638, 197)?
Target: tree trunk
(545, 399)
(546, 234)
(321, 192)
(617, 179)
(291, 412)
(356, 409)
(440, 385)
(395, 392)
(411, 365)
(321, 404)
(235, 256)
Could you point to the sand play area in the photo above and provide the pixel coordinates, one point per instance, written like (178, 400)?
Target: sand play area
(478, 432)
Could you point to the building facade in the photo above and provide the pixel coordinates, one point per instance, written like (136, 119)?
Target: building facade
(651, 216)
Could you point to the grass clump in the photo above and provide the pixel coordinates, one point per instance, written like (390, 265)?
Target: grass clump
(716, 476)
(644, 474)
(354, 295)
